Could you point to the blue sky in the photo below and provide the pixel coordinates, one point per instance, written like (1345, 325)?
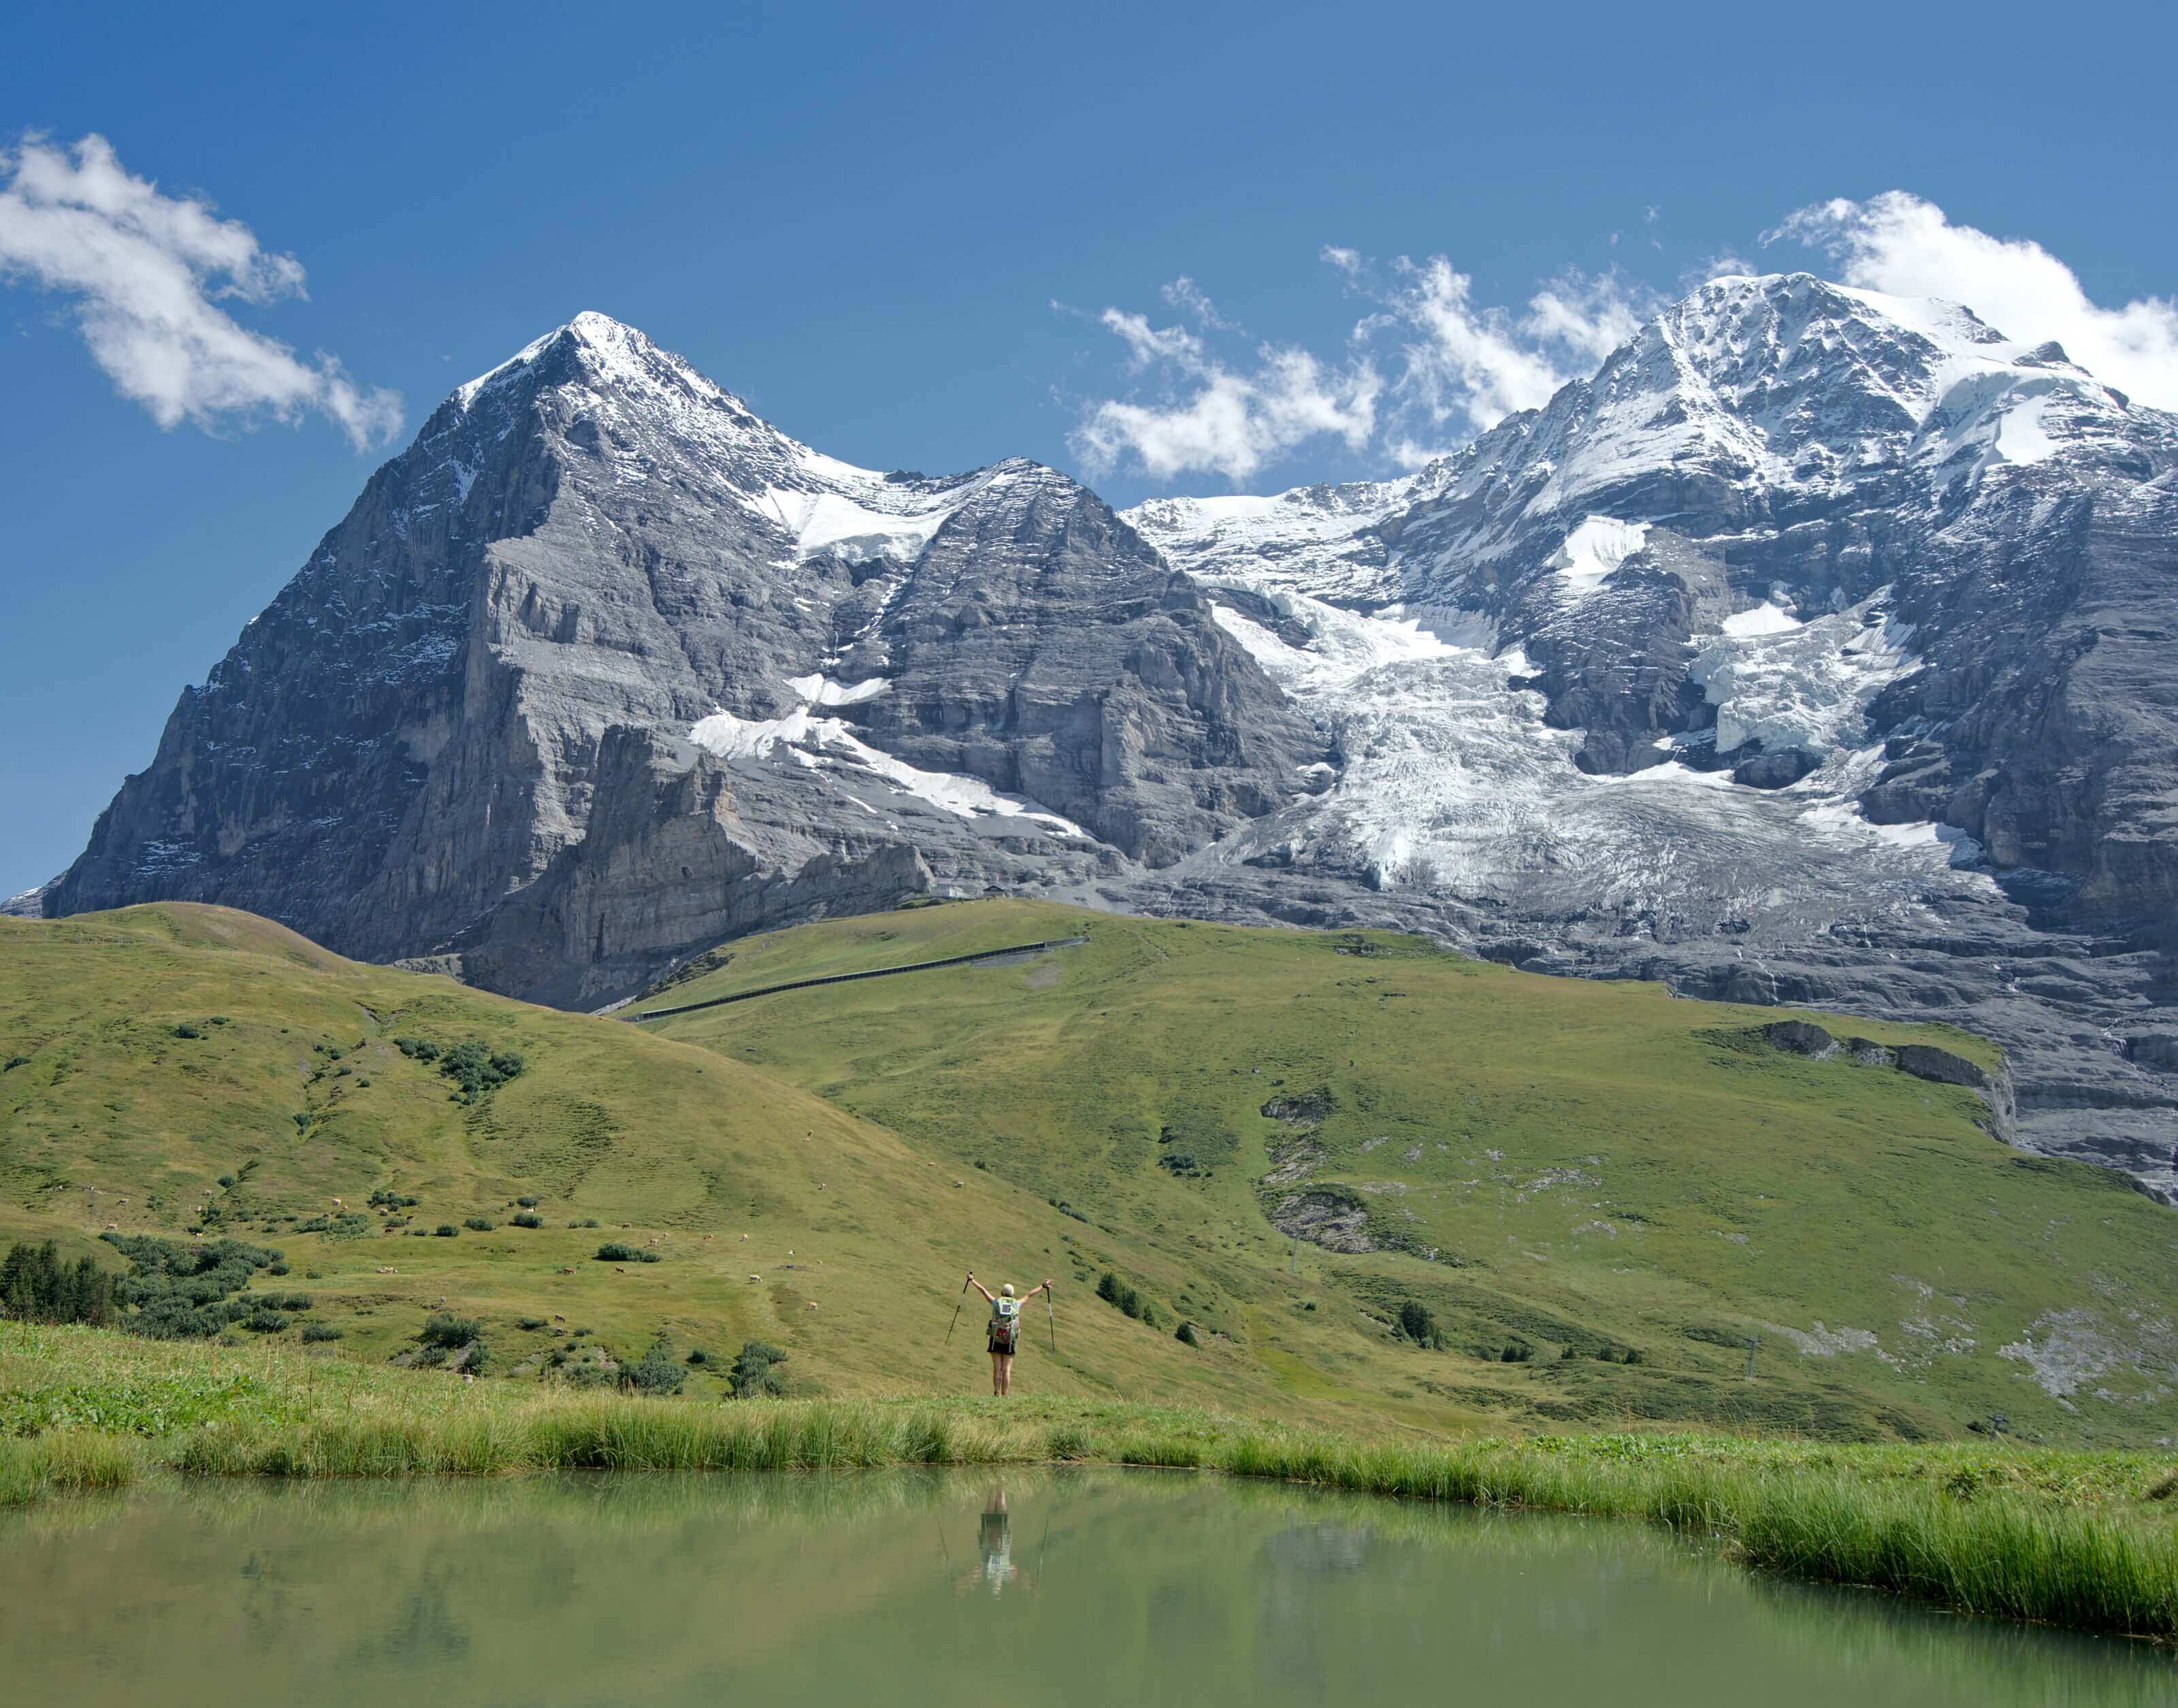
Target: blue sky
(928, 237)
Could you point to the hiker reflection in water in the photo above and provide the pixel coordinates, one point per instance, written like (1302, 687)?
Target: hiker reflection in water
(994, 1543)
(1005, 1329)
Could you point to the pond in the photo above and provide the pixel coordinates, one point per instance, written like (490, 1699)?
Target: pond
(949, 1587)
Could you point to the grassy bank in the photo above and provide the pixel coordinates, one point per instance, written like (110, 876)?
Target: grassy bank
(2084, 1540)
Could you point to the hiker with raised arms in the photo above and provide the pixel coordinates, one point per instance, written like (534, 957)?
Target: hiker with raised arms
(1005, 1329)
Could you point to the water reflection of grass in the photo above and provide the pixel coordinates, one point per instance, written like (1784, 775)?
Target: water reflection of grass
(437, 1568)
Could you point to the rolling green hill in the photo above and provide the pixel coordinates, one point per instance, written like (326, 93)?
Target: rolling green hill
(1616, 1190)
(1575, 1170)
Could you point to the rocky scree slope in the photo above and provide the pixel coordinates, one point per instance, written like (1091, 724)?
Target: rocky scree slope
(1818, 650)
(604, 669)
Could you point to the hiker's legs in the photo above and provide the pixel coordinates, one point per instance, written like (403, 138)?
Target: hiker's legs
(1005, 1372)
(998, 1370)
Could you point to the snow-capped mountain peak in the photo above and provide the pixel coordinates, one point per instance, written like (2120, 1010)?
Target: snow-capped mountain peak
(1815, 615)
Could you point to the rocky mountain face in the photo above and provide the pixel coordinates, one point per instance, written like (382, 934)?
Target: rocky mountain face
(1818, 650)
(604, 668)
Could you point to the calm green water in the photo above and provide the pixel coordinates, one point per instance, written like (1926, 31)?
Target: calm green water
(947, 1587)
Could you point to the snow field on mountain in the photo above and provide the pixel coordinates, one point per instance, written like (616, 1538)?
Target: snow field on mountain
(1593, 550)
(1803, 686)
(826, 743)
(1454, 782)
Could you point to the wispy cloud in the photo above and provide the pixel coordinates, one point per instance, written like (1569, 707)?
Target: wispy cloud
(147, 273)
(1221, 418)
(1465, 367)
(1456, 369)
(1899, 243)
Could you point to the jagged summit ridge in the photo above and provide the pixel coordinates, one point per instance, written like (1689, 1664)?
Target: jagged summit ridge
(492, 716)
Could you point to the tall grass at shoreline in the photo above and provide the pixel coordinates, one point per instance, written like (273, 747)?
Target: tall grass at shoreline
(2082, 1539)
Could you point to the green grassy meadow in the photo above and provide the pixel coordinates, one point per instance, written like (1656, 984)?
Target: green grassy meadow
(1580, 1170)
(1621, 1191)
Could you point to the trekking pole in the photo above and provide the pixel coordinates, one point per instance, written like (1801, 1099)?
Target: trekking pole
(1051, 1320)
(955, 1323)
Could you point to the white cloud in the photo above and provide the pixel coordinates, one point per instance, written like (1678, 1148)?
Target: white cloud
(1471, 367)
(1429, 366)
(1467, 366)
(1461, 367)
(147, 272)
(1899, 243)
(1218, 418)
(1147, 344)
(1184, 294)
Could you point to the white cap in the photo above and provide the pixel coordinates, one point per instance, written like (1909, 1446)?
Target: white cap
(1007, 1288)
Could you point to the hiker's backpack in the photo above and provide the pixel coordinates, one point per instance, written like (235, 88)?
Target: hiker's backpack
(1005, 1324)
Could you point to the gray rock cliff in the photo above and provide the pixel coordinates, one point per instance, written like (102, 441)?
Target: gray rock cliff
(604, 669)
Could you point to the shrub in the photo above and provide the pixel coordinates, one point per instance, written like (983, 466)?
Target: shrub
(442, 1329)
(187, 1031)
(445, 1231)
(1185, 1334)
(1116, 1292)
(527, 1203)
(183, 1291)
(614, 1251)
(532, 1323)
(314, 1333)
(478, 1071)
(36, 1286)
(478, 1224)
(264, 1320)
(302, 1117)
(1516, 1352)
(526, 1218)
(586, 1222)
(475, 1068)
(1417, 1324)
(13, 1062)
(657, 1372)
(699, 1357)
(756, 1371)
(226, 1180)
